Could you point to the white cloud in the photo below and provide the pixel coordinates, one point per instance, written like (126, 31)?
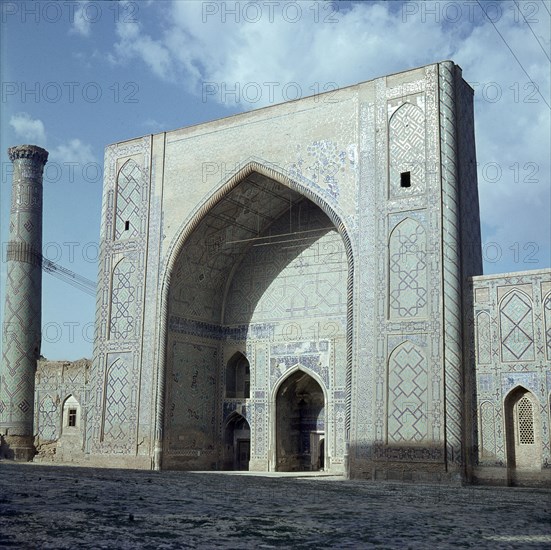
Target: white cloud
(198, 43)
(28, 129)
(153, 125)
(73, 151)
(32, 131)
(83, 17)
(195, 45)
(134, 43)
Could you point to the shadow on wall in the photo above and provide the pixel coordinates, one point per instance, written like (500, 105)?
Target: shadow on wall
(426, 464)
(414, 462)
(5, 451)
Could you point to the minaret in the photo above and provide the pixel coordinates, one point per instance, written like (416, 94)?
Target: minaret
(23, 309)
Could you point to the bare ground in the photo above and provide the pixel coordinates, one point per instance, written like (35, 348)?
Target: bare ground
(67, 507)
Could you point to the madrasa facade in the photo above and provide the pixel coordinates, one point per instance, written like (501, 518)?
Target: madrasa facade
(294, 288)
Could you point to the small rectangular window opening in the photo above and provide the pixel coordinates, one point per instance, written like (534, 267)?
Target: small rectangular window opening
(126, 226)
(72, 418)
(405, 179)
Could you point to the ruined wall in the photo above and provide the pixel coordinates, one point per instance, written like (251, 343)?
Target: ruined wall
(61, 386)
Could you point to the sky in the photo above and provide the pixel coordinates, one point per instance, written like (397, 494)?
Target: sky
(77, 76)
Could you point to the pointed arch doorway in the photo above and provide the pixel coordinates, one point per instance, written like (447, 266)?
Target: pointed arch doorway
(237, 443)
(523, 435)
(300, 424)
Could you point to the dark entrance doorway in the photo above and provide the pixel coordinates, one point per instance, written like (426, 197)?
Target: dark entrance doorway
(237, 444)
(300, 424)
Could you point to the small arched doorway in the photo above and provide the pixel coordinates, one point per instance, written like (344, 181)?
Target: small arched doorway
(237, 443)
(300, 424)
(523, 432)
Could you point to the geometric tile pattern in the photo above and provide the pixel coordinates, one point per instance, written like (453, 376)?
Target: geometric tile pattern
(453, 270)
(483, 340)
(293, 280)
(117, 404)
(378, 318)
(129, 198)
(123, 305)
(511, 310)
(118, 324)
(49, 421)
(22, 313)
(517, 329)
(407, 149)
(547, 325)
(407, 394)
(488, 429)
(408, 270)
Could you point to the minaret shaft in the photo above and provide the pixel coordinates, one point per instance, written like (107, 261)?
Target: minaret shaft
(21, 329)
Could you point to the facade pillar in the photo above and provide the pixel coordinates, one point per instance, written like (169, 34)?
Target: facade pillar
(21, 330)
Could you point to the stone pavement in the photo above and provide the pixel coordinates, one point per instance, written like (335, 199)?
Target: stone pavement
(67, 507)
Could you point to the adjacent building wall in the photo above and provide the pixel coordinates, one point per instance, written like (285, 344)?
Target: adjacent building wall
(512, 359)
(61, 387)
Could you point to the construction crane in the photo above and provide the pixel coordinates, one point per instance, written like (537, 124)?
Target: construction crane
(70, 277)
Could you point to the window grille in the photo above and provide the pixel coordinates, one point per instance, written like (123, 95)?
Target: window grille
(525, 422)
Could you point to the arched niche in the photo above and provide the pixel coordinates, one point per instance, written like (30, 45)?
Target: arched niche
(128, 201)
(407, 151)
(408, 271)
(408, 395)
(123, 317)
(523, 433)
(238, 377)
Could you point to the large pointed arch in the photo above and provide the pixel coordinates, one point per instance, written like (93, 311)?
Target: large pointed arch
(177, 245)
